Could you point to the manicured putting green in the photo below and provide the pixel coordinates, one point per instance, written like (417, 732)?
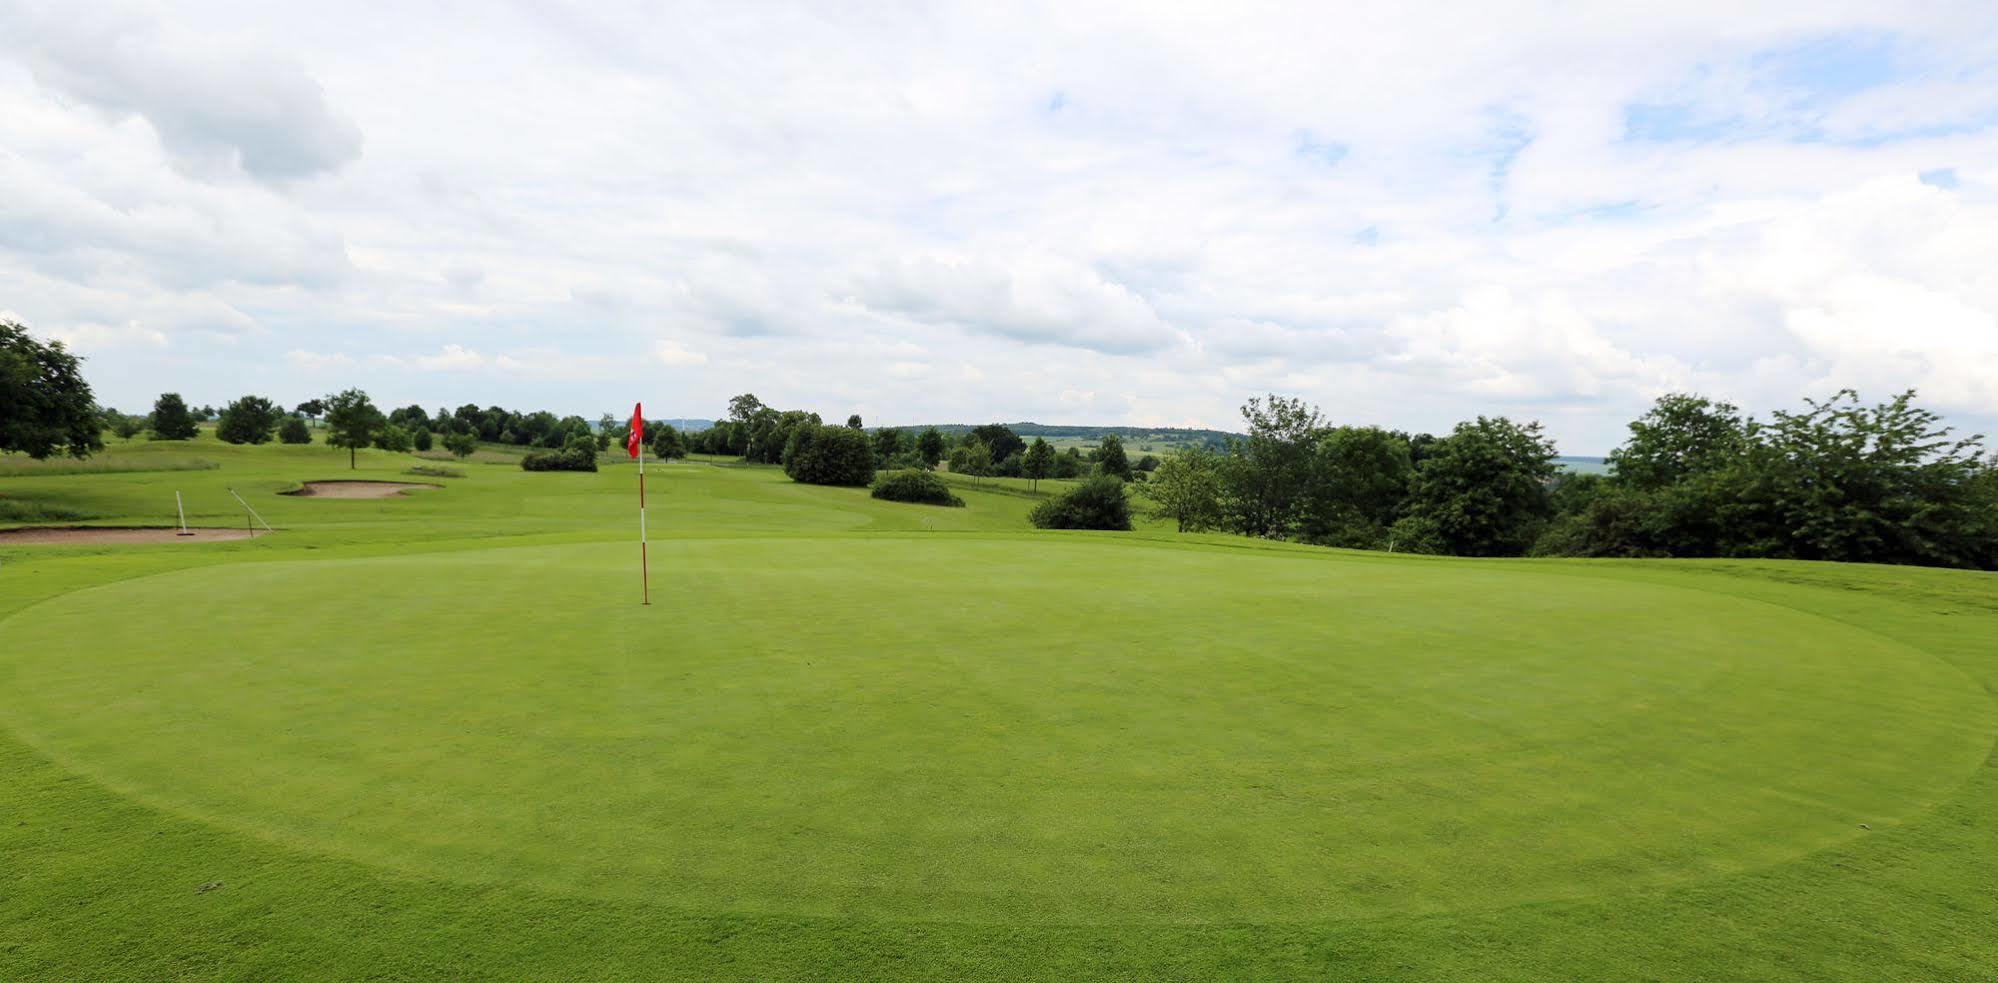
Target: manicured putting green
(845, 728)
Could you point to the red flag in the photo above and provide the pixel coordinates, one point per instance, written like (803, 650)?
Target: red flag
(636, 439)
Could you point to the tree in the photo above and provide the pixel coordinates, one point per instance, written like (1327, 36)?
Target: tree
(172, 420)
(1266, 474)
(1098, 503)
(667, 444)
(311, 408)
(352, 421)
(420, 438)
(971, 458)
(1356, 484)
(1110, 458)
(127, 426)
(853, 422)
(1186, 488)
(293, 431)
(1039, 462)
(394, 439)
(930, 448)
(461, 445)
(744, 408)
(1680, 435)
(1484, 487)
(1000, 441)
(887, 445)
(248, 420)
(45, 405)
(1068, 464)
(822, 455)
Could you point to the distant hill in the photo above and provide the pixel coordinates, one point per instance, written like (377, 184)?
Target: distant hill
(1583, 465)
(1175, 436)
(687, 424)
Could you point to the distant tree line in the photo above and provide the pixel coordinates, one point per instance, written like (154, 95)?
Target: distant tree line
(1838, 480)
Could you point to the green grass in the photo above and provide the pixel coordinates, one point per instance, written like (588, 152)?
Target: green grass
(436, 735)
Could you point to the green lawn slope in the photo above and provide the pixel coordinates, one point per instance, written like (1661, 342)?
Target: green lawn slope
(436, 735)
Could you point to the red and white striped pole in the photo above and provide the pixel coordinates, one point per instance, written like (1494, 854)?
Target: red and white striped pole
(635, 443)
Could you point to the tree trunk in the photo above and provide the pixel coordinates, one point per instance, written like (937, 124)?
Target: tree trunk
(350, 458)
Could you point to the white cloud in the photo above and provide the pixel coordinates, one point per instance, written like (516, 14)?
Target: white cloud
(897, 215)
(672, 353)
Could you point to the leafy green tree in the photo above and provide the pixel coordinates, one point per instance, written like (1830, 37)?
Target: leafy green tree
(853, 422)
(1039, 462)
(394, 439)
(1267, 472)
(1068, 464)
(744, 408)
(1110, 458)
(972, 459)
(1680, 435)
(822, 455)
(46, 407)
(930, 448)
(1484, 487)
(420, 438)
(127, 426)
(352, 422)
(1357, 481)
(1000, 441)
(1099, 503)
(294, 431)
(887, 444)
(311, 409)
(172, 420)
(1186, 488)
(461, 444)
(248, 420)
(667, 443)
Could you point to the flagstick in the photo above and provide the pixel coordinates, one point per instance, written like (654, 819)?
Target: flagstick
(644, 564)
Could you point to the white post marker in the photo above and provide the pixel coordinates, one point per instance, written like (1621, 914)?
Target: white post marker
(182, 509)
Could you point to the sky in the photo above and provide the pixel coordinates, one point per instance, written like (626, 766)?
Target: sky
(1085, 213)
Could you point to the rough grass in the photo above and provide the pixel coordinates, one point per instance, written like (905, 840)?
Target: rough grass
(848, 741)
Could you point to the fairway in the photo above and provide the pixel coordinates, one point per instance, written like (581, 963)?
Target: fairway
(440, 719)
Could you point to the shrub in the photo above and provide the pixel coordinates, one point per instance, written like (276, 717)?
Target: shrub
(820, 455)
(914, 485)
(293, 431)
(579, 454)
(1098, 503)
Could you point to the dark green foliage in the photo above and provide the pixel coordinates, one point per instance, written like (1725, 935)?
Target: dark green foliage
(1111, 459)
(461, 444)
(971, 458)
(915, 485)
(1484, 487)
(822, 455)
(394, 439)
(667, 443)
(930, 447)
(1268, 472)
(1187, 490)
(579, 454)
(853, 422)
(1039, 462)
(887, 445)
(294, 431)
(1068, 464)
(1000, 441)
(1098, 503)
(351, 421)
(127, 426)
(311, 408)
(420, 438)
(172, 420)
(45, 405)
(249, 420)
(1356, 482)
(1680, 435)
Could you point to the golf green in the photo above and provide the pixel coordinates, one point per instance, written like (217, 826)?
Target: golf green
(843, 727)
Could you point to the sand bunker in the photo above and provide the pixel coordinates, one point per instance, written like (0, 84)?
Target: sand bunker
(113, 536)
(357, 489)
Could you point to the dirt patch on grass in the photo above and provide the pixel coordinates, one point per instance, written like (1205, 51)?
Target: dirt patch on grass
(357, 489)
(114, 536)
